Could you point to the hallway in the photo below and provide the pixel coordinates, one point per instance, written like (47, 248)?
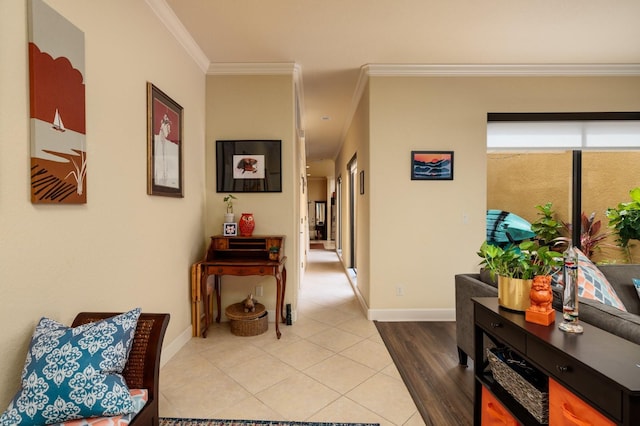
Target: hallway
(329, 366)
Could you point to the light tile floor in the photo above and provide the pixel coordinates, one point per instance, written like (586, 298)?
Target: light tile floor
(329, 366)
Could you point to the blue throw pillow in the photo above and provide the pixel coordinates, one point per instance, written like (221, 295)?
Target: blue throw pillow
(73, 373)
(636, 284)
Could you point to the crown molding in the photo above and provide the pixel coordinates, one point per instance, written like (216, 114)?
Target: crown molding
(254, 68)
(175, 27)
(501, 70)
(470, 70)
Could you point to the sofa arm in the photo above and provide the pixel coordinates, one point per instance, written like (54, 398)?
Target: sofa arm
(468, 286)
(608, 318)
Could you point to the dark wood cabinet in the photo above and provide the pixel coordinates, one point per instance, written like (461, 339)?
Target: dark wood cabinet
(597, 367)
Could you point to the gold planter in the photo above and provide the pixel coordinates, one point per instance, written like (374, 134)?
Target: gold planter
(513, 293)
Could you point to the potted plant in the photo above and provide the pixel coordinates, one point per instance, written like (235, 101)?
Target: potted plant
(514, 275)
(274, 253)
(229, 216)
(516, 266)
(625, 220)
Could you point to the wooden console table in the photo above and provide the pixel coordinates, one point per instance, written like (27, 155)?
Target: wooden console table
(240, 256)
(600, 369)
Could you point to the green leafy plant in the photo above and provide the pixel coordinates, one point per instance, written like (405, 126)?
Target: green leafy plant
(524, 261)
(546, 227)
(541, 259)
(229, 201)
(507, 262)
(625, 220)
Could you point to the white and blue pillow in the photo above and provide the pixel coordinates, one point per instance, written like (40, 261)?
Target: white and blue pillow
(592, 284)
(636, 284)
(73, 373)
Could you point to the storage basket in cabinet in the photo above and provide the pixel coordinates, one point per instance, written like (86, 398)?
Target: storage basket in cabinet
(525, 383)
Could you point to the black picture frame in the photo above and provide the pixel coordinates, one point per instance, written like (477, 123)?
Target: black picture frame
(431, 165)
(230, 229)
(164, 144)
(248, 166)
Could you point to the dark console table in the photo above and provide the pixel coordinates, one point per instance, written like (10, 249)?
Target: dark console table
(599, 368)
(240, 256)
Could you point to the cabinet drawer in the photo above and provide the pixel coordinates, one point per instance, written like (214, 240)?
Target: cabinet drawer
(502, 329)
(566, 409)
(596, 389)
(240, 270)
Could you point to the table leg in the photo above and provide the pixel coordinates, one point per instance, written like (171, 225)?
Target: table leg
(195, 302)
(205, 304)
(279, 298)
(217, 288)
(284, 291)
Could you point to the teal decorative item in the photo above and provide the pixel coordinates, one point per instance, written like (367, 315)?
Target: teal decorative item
(505, 227)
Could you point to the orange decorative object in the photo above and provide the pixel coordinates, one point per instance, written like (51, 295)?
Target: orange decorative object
(493, 412)
(246, 224)
(565, 408)
(541, 296)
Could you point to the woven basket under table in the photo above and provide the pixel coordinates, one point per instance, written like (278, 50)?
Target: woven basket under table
(529, 396)
(247, 323)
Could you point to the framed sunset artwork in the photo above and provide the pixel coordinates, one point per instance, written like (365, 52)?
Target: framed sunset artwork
(431, 165)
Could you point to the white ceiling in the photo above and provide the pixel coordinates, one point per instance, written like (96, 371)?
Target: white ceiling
(330, 40)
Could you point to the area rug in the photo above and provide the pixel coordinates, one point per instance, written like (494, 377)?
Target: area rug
(316, 246)
(165, 421)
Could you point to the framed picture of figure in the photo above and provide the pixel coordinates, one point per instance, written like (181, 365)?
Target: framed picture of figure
(164, 144)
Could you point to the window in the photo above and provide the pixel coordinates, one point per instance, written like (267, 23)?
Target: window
(584, 135)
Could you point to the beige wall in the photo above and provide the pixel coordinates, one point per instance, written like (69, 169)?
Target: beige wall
(123, 248)
(517, 182)
(256, 107)
(422, 233)
(317, 189)
(357, 143)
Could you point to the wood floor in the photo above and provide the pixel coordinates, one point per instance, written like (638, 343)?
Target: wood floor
(426, 356)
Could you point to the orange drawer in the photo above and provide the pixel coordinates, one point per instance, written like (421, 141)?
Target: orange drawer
(566, 409)
(493, 413)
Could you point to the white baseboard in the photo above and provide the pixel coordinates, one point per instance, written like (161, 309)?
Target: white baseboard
(172, 348)
(400, 314)
(411, 314)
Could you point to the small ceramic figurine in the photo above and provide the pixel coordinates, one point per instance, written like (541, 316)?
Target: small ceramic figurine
(541, 296)
(249, 304)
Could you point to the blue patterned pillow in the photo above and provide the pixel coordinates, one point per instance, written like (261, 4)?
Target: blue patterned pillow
(636, 284)
(73, 373)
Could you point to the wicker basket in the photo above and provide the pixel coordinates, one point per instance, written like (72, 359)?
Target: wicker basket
(247, 323)
(533, 397)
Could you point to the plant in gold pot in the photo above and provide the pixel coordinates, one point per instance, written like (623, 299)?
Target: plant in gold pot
(513, 273)
(516, 266)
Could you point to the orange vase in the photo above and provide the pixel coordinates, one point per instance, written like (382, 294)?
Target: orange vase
(246, 224)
